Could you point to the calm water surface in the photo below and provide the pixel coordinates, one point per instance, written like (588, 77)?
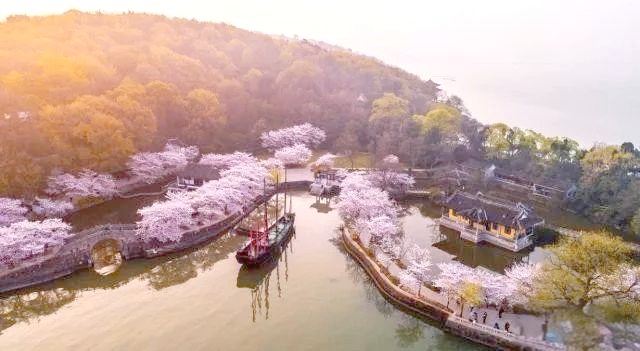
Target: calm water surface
(313, 298)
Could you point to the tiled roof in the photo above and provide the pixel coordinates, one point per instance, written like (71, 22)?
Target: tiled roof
(483, 211)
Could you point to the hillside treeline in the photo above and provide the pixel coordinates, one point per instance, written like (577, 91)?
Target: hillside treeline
(85, 90)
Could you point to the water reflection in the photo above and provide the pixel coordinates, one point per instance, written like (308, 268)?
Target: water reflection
(26, 306)
(162, 272)
(473, 255)
(180, 269)
(322, 205)
(115, 211)
(258, 279)
(411, 331)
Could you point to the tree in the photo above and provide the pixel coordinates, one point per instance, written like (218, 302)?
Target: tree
(88, 184)
(303, 134)
(419, 265)
(293, 155)
(22, 240)
(151, 166)
(628, 147)
(11, 211)
(359, 199)
(471, 293)
(324, 162)
(452, 277)
(347, 143)
(589, 278)
(635, 223)
(206, 118)
(608, 191)
(387, 177)
(499, 141)
(237, 186)
(589, 269)
(165, 221)
(374, 231)
(51, 208)
(227, 160)
(388, 106)
(443, 119)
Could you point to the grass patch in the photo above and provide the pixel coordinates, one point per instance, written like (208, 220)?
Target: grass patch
(360, 160)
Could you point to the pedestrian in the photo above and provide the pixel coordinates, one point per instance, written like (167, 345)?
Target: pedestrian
(500, 312)
(496, 326)
(475, 316)
(484, 318)
(506, 326)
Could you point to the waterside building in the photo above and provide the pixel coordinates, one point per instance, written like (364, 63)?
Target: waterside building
(478, 219)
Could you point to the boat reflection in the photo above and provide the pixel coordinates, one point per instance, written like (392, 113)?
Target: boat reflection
(259, 280)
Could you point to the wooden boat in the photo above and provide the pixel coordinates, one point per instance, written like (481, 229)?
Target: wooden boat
(263, 245)
(268, 242)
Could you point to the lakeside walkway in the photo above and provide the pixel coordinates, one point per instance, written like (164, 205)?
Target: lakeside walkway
(525, 332)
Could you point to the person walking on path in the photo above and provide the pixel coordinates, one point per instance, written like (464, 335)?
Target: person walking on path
(484, 318)
(506, 326)
(500, 312)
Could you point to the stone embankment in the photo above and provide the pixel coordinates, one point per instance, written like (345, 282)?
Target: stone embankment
(75, 254)
(436, 311)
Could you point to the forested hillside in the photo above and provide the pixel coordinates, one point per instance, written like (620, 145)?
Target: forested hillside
(85, 90)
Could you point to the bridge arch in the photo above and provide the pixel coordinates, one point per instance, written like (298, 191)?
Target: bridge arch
(106, 256)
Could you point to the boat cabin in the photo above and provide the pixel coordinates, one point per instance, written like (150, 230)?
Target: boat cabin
(478, 219)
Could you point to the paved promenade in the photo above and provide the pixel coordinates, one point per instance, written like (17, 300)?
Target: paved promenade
(525, 330)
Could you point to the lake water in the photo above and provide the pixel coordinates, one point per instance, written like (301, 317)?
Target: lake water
(314, 298)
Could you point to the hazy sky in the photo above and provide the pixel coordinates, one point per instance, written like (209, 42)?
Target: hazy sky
(561, 67)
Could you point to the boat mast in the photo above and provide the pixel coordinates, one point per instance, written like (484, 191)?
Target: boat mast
(277, 204)
(266, 200)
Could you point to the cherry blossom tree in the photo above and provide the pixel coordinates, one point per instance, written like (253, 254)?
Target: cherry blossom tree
(391, 180)
(452, 277)
(22, 240)
(298, 154)
(11, 211)
(214, 200)
(165, 221)
(87, 184)
(305, 134)
(419, 265)
(227, 160)
(272, 163)
(374, 230)
(152, 166)
(522, 276)
(324, 161)
(365, 204)
(51, 208)
(409, 282)
(391, 160)
(498, 289)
